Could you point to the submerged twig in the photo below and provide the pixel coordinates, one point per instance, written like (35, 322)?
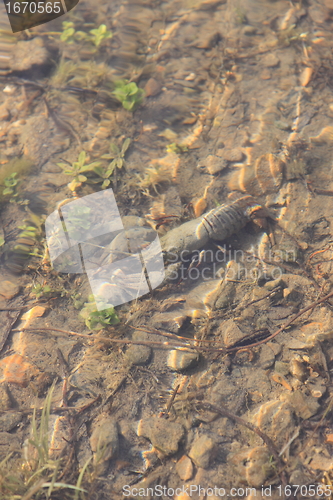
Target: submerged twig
(174, 344)
(62, 124)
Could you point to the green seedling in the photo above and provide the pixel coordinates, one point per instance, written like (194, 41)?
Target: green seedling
(27, 240)
(68, 32)
(77, 300)
(95, 319)
(129, 94)
(95, 36)
(11, 187)
(100, 34)
(174, 147)
(118, 161)
(16, 167)
(79, 221)
(45, 291)
(240, 15)
(77, 169)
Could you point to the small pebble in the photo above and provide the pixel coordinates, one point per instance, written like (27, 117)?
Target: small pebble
(184, 468)
(17, 370)
(152, 87)
(29, 53)
(281, 367)
(8, 443)
(8, 289)
(215, 164)
(270, 60)
(203, 451)
(231, 333)
(267, 357)
(163, 434)
(258, 467)
(292, 296)
(104, 439)
(298, 369)
(9, 420)
(232, 155)
(6, 400)
(304, 406)
(138, 354)
(182, 360)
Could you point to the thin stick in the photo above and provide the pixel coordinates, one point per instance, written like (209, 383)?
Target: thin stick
(168, 345)
(179, 345)
(166, 413)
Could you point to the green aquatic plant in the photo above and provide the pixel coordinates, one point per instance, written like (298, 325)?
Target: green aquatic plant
(98, 35)
(174, 147)
(95, 319)
(11, 183)
(95, 36)
(118, 161)
(37, 475)
(45, 291)
(77, 170)
(68, 32)
(11, 174)
(240, 15)
(129, 94)
(79, 220)
(26, 244)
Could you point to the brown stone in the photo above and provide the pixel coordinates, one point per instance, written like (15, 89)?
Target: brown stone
(152, 87)
(184, 468)
(164, 435)
(203, 451)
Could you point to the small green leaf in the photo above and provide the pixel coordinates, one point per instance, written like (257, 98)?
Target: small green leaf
(128, 105)
(109, 172)
(125, 145)
(82, 158)
(99, 171)
(67, 24)
(113, 164)
(114, 148)
(107, 156)
(91, 166)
